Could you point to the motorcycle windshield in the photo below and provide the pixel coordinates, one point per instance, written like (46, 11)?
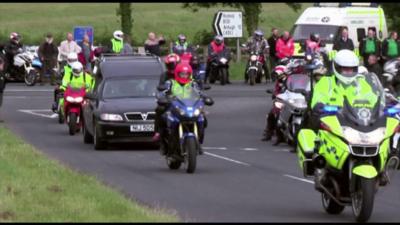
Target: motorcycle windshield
(71, 90)
(297, 82)
(189, 99)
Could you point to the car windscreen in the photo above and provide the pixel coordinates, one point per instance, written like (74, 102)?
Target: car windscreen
(129, 88)
(327, 33)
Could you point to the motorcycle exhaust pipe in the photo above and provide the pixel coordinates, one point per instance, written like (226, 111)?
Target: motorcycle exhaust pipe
(318, 161)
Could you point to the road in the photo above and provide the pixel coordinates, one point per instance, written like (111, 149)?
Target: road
(238, 179)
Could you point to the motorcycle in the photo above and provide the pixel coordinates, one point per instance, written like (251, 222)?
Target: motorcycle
(219, 67)
(23, 69)
(255, 71)
(390, 69)
(199, 74)
(349, 156)
(73, 101)
(293, 106)
(184, 131)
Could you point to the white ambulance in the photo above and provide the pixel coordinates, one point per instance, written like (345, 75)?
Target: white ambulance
(328, 20)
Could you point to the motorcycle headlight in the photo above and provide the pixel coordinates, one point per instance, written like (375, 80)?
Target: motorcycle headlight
(180, 111)
(78, 99)
(279, 105)
(110, 117)
(253, 58)
(223, 60)
(74, 100)
(70, 99)
(356, 137)
(196, 112)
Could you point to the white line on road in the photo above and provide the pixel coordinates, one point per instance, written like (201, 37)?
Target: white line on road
(249, 149)
(217, 148)
(282, 150)
(34, 112)
(298, 178)
(228, 159)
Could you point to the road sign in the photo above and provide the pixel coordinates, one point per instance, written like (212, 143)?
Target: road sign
(80, 31)
(228, 24)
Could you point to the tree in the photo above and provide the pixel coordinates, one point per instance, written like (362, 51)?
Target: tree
(251, 11)
(391, 12)
(125, 12)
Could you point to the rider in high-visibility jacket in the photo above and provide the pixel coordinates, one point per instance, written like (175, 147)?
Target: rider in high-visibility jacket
(76, 79)
(182, 86)
(117, 41)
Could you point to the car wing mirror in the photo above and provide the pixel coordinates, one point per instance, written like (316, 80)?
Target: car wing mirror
(208, 101)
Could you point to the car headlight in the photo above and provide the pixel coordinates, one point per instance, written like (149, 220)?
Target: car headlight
(110, 117)
(355, 137)
(278, 105)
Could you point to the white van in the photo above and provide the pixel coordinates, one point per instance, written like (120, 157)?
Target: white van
(328, 19)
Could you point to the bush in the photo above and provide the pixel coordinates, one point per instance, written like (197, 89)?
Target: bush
(203, 37)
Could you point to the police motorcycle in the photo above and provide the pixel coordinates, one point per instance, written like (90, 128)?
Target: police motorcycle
(185, 129)
(350, 156)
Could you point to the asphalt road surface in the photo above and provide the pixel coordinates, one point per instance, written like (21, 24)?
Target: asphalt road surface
(238, 179)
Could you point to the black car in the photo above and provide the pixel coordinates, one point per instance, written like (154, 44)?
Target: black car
(122, 103)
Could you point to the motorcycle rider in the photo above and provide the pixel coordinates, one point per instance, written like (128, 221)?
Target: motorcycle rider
(214, 48)
(280, 72)
(72, 57)
(260, 45)
(182, 85)
(12, 48)
(76, 79)
(181, 46)
(117, 42)
(170, 62)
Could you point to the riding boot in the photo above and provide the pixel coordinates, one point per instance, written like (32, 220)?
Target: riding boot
(269, 129)
(279, 137)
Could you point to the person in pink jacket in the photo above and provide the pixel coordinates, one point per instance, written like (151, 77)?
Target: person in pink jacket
(284, 46)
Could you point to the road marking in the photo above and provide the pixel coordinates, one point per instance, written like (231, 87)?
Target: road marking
(249, 149)
(298, 178)
(225, 158)
(217, 148)
(35, 112)
(25, 90)
(282, 150)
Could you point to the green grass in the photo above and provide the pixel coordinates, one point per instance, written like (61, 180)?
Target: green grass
(36, 189)
(33, 20)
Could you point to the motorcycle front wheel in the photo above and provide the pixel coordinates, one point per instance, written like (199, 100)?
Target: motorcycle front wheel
(362, 201)
(190, 155)
(30, 77)
(223, 75)
(252, 76)
(72, 123)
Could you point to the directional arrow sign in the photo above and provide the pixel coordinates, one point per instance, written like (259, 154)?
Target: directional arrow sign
(228, 24)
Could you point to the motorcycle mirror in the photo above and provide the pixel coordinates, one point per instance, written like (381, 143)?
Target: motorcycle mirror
(161, 88)
(269, 91)
(206, 87)
(208, 101)
(162, 101)
(90, 96)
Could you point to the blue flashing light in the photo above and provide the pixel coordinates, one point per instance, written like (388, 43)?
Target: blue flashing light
(330, 109)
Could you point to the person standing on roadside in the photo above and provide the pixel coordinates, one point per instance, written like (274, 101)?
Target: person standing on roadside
(86, 55)
(390, 47)
(48, 53)
(152, 44)
(272, 52)
(68, 46)
(344, 42)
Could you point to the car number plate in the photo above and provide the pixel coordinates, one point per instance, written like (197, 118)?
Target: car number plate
(142, 127)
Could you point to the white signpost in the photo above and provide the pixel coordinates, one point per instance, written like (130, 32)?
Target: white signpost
(229, 25)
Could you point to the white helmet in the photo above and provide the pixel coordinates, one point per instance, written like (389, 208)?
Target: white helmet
(71, 58)
(77, 69)
(345, 66)
(118, 35)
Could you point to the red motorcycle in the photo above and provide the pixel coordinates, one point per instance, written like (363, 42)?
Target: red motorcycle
(255, 71)
(73, 101)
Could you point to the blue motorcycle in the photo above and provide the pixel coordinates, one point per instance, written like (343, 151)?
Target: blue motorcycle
(199, 75)
(185, 125)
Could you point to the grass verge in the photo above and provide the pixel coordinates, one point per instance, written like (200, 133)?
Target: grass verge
(36, 189)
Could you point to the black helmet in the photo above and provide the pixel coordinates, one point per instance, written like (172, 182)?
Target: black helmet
(219, 39)
(181, 38)
(258, 34)
(314, 37)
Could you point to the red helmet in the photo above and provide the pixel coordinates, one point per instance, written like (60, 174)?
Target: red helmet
(171, 61)
(183, 73)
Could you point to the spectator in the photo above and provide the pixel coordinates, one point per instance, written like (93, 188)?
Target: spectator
(66, 47)
(152, 44)
(374, 67)
(284, 46)
(344, 42)
(48, 53)
(370, 46)
(390, 47)
(127, 49)
(272, 45)
(86, 55)
(2, 80)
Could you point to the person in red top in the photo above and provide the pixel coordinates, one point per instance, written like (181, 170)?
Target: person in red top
(214, 48)
(285, 46)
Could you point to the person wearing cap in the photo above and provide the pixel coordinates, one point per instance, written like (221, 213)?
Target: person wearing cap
(48, 53)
